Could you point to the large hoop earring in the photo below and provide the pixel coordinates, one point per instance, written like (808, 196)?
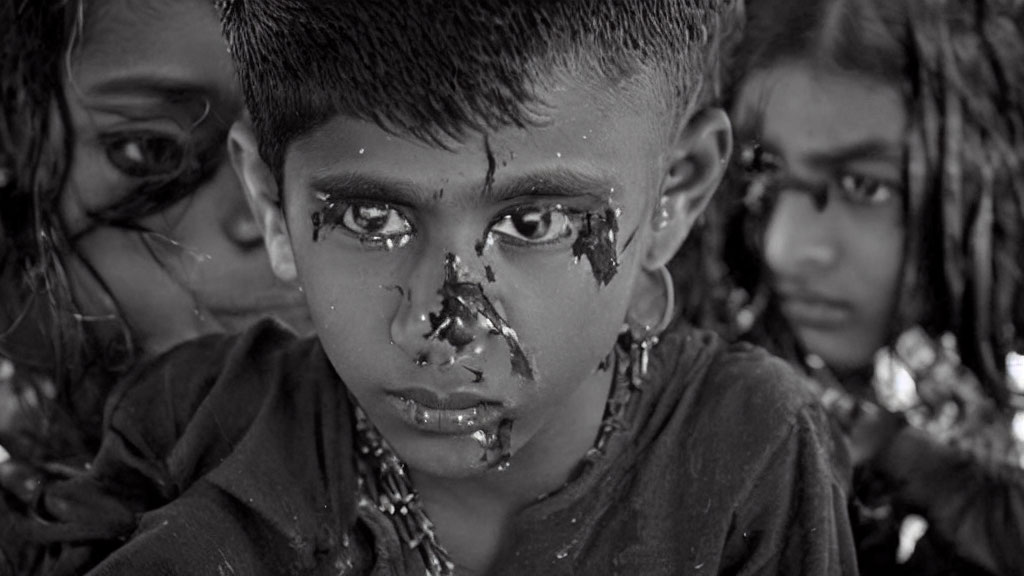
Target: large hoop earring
(644, 337)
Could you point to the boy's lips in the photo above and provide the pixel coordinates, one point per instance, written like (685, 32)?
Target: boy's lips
(456, 413)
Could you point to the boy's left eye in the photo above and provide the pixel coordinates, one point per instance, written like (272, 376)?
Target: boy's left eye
(534, 225)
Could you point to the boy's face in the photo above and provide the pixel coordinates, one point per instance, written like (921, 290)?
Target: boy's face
(467, 293)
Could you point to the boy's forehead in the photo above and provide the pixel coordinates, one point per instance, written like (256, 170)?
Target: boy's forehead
(575, 129)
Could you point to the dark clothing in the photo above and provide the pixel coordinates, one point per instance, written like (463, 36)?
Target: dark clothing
(728, 468)
(974, 508)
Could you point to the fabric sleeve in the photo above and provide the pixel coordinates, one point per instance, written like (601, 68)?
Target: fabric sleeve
(976, 505)
(168, 423)
(200, 531)
(794, 519)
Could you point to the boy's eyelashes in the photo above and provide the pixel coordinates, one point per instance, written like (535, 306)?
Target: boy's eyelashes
(535, 225)
(385, 225)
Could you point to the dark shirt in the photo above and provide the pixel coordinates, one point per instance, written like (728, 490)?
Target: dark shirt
(729, 467)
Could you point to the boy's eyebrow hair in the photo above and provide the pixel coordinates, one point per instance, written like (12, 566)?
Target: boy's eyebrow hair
(559, 182)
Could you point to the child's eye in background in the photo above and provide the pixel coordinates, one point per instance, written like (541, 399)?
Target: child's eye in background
(534, 226)
(754, 159)
(144, 154)
(867, 191)
(370, 221)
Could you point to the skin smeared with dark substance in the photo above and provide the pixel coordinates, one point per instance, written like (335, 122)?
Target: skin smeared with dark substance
(465, 309)
(497, 445)
(478, 375)
(333, 213)
(596, 242)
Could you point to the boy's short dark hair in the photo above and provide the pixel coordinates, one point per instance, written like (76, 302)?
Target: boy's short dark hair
(435, 69)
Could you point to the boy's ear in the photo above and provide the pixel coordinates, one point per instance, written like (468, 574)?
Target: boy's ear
(264, 198)
(690, 173)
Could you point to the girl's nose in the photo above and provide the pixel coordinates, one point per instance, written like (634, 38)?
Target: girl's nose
(238, 223)
(801, 238)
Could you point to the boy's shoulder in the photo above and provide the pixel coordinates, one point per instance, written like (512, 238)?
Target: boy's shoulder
(730, 404)
(734, 381)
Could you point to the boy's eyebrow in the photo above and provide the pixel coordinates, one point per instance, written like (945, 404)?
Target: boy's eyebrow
(554, 183)
(558, 182)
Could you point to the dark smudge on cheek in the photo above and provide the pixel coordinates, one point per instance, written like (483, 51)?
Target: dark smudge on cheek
(489, 273)
(629, 241)
(478, 375)
(497, 445)
(597, 242)
(465, 311)
(491, 166)
(318, 222)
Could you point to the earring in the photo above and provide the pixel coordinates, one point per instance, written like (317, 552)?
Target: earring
(661, 219)
(644, 336)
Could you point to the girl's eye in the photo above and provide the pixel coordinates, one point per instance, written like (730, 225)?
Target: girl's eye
(534, 226)
(145, 154)
(371, 221)
(754, 159)
(868, 191)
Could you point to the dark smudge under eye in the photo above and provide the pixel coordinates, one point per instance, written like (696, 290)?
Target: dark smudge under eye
(465, 308)
(597, 242)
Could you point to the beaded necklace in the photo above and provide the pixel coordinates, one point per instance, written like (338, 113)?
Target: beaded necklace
(385, 484)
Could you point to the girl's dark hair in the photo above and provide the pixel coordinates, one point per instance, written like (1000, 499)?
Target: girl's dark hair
(960, 66)
(70, 358)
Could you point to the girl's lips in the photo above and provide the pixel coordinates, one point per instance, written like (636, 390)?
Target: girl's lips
(814, 312)
(456, 414)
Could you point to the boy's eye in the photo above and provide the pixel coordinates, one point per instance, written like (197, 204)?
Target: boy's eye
(375, 221)
(144, 154)
(534, 226)
(867, 191)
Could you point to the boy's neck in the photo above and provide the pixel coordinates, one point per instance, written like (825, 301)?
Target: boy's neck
(471, 513)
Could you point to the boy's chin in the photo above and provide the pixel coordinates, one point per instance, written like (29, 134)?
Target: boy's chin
(454, 457)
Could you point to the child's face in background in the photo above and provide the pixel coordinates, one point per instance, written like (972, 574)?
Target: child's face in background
(444, 285)
(151, 90)
(836, 269)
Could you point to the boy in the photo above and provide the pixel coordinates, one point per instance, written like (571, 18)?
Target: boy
(476, 197)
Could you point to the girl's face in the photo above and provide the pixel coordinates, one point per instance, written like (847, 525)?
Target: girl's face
(826, 149)
(152, 95)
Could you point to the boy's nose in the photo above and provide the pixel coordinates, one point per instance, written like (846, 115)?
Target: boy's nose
(444, 314)
(801, 239)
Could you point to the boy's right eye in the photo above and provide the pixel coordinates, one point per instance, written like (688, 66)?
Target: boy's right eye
(374, 220)
(372, 223)
(144, 154)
